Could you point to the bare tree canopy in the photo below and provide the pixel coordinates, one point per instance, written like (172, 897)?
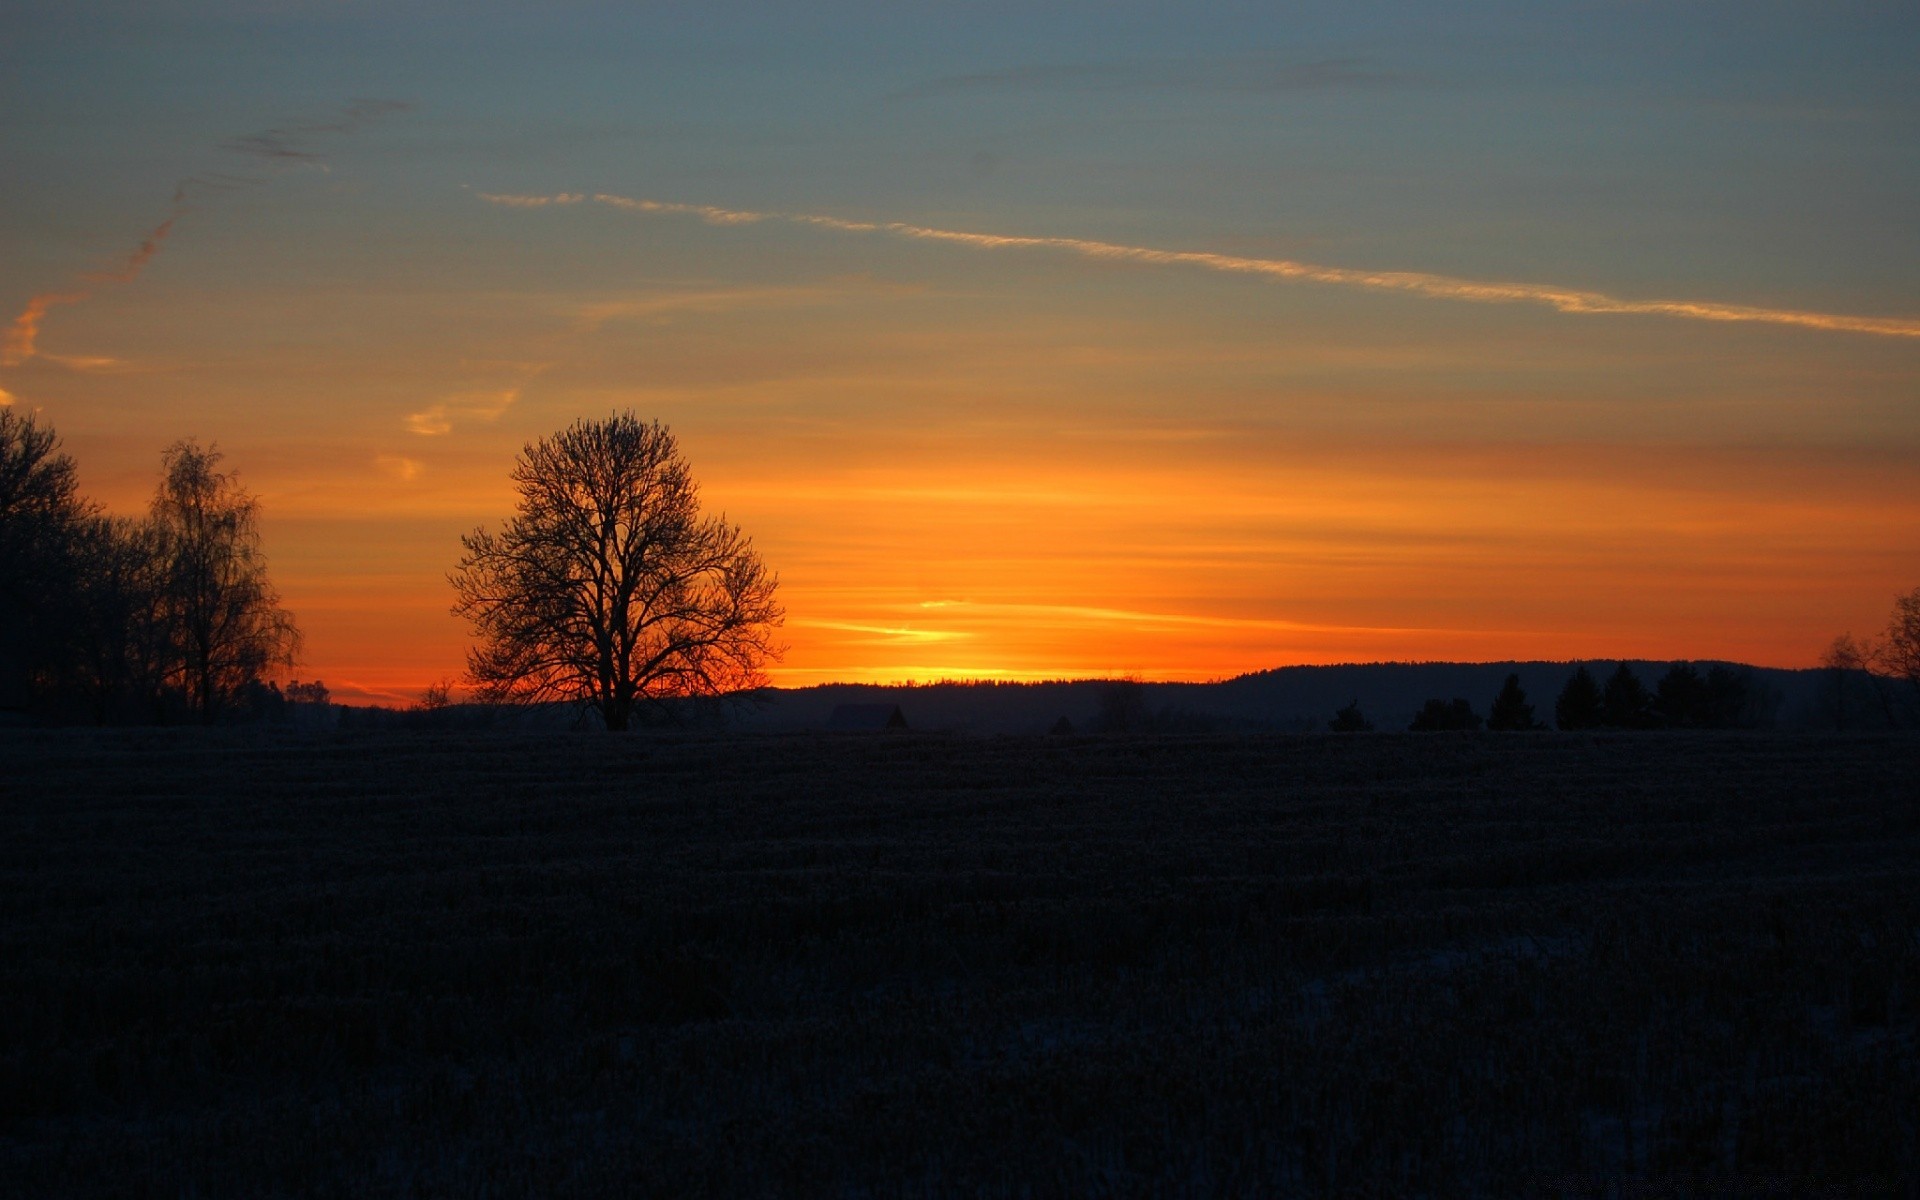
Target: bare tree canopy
(1900, 650)
(226, 618)
(608, 588)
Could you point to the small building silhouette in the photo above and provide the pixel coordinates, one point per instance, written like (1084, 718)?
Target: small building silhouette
(867, 718)
(1062, 726)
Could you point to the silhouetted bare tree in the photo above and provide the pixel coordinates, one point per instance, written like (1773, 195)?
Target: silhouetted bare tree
(123, 648)
(608, 588)
(1899, 650)
(227, 626)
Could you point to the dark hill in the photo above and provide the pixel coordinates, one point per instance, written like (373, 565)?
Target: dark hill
(1298, 699)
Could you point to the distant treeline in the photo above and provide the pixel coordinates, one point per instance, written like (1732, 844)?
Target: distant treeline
(167, 617)
(1391, 696)
(1720, 697)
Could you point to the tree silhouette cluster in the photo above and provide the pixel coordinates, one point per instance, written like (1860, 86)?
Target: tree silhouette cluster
(1721, 698)
(1877, 681)
(1437, 716)
(1510, 713)
(114, 619)
(1685, 698)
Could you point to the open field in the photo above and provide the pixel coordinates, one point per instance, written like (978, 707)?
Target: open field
(407, 964)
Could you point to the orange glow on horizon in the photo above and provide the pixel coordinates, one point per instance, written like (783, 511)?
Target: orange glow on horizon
(1072, 459)
(1014, 571)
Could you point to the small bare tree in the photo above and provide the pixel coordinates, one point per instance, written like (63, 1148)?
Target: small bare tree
(608, 588)
(1898, 652)
(1845, 662)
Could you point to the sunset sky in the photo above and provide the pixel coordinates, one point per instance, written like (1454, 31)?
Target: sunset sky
(1104, 339)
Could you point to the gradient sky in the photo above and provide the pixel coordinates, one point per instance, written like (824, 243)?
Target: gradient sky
(1241, 398)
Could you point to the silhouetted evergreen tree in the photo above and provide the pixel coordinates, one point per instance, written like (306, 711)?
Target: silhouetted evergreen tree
(1681, 700)
(1730, 698)
(1624, 702)
(1350, 720)
(1579, 705)
(1510, 709)
(1438, 715)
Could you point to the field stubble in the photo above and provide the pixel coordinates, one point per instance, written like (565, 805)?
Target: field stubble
(244, 964)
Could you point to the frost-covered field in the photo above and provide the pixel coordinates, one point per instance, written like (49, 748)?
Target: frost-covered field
(592, 965)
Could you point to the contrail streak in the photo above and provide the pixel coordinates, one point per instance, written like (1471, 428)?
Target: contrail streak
(136, 262)
(269, 146)
(23, 336)
(1416, 283)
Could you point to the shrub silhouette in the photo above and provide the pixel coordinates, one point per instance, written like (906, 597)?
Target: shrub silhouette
(1350, 720)
(1438, 715)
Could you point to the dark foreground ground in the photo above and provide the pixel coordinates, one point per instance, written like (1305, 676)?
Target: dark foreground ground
(407, 964)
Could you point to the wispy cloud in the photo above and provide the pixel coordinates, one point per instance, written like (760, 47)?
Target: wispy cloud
(24, 334)
(504, 201)
(1246, 74)
(1415, 283)
(1077, 612)
(290, 142)
(6, 398)
(887, 634)
(101, 364)
(398, 466)
(439, 419)
(277, 145)
(595, 315)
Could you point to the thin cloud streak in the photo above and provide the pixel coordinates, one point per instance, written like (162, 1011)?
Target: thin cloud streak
(268, 146)
(136, 262)
(506, 201)
(1128, 616)
(1415, 283)
(284, 143)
